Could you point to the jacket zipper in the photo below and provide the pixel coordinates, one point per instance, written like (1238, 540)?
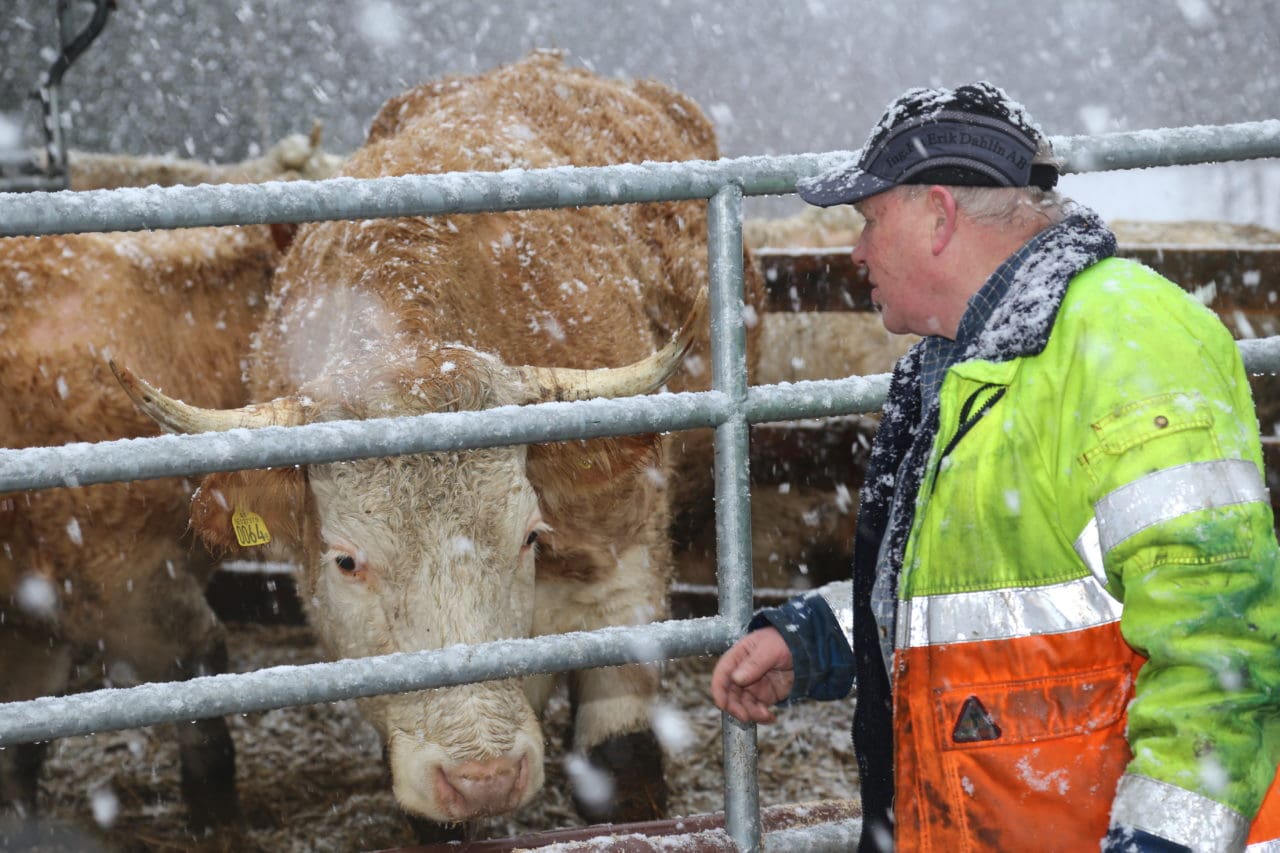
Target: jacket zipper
(967, 420)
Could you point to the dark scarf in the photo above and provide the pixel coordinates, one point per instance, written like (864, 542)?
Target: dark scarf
(1018, 327)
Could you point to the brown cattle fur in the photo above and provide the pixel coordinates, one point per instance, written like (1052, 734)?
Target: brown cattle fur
(493, 281)
(180, 306)
(406, 316)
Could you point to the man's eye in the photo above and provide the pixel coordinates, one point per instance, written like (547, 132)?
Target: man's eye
(346, 562)
(531, 538)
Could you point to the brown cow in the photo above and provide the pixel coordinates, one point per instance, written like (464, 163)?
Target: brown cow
(96, 581)
(407, 316)
(294, 157)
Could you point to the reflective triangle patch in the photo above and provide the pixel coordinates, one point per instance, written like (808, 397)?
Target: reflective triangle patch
(975, 724)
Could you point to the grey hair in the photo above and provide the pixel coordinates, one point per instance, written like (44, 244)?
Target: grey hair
(1012, 206)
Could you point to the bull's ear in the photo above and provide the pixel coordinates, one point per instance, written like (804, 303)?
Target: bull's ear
(240, 509)
(593, 464)
(575, 479)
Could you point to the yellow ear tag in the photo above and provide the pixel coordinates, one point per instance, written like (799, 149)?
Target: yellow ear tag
(250, 528)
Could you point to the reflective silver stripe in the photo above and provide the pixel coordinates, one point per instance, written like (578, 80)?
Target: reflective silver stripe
(1002, 614)
(1173, 492)
(1272, 846)
(839, 597)
(1090, 551)
(1176, 814)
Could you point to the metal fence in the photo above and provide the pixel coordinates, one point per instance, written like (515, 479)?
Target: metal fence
(729, 407)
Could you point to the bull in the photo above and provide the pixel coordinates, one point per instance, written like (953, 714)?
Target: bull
(407, 316)
(97, 582)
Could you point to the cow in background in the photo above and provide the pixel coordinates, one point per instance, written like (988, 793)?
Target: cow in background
(405, 316)
(96, 582)
(295, 157)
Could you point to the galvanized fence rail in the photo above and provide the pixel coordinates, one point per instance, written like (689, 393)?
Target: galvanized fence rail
(729, 407)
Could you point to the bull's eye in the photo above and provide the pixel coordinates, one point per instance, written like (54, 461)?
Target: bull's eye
(346, 562)
(533, 535)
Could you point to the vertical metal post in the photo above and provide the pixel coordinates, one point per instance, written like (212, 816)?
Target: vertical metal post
(55, 147)
(733, 492)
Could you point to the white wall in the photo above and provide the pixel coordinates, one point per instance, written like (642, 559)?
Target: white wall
(1245, 192)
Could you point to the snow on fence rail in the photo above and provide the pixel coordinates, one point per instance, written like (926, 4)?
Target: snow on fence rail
(475, 192)
(730, 406)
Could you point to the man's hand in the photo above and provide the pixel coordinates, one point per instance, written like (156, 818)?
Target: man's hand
(752, 676)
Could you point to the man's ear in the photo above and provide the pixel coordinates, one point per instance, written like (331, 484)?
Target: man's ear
(942, 206)
(240, 509)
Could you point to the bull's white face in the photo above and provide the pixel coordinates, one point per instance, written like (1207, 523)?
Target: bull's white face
(422, 552)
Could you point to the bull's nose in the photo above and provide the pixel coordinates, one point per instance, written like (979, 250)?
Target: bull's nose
(478, 788)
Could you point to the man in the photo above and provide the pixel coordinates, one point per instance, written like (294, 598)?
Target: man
(1064, 619)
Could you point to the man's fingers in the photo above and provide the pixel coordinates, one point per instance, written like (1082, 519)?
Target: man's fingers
(722, 676)
(752, 675)
(757, 711)
(748, 671)
(747, 708)
(763, 652)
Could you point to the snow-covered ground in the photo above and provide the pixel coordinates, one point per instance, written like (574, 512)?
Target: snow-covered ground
(311, 777)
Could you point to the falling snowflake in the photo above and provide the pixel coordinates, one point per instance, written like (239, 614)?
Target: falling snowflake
(105, 806)
(36, 596)
(671, 728)
(592, 785)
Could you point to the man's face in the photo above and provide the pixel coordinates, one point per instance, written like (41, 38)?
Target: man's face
(895, 247)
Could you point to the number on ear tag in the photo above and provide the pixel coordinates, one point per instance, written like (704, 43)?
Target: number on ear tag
(250, 528)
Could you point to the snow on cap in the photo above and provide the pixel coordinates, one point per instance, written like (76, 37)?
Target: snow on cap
(974, 135)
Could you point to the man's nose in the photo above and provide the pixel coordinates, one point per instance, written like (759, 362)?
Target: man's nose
(858, 255)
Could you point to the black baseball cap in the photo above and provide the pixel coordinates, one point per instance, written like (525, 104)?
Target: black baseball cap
(974, 135)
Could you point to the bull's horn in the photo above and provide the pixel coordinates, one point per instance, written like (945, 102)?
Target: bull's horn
(562, 384)
(176, 416)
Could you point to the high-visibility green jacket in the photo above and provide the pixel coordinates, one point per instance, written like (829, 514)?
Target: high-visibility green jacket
(1114, 494)
(1087, 623)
